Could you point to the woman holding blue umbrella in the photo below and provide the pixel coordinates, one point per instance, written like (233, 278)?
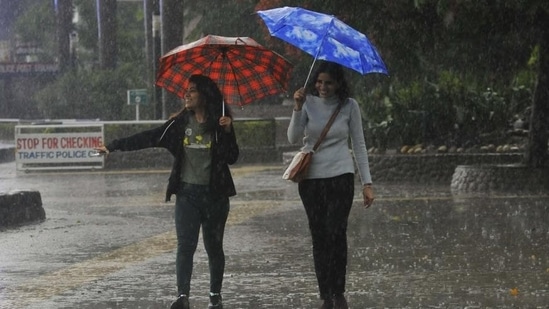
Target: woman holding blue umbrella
(328, 189)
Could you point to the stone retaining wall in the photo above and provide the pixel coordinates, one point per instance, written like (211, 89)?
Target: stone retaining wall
(508, 178)
(430, 168)
(421, 168)
(161, 158)
(424, 168)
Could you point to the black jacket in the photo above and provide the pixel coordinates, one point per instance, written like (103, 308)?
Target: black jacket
(170, 136)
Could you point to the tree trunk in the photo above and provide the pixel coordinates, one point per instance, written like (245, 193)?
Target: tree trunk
(172, 36)
(106, 21)
(64, 29)
(536, 152)
(172, 24)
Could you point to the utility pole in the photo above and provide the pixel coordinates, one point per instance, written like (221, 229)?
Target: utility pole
(149, 53)
(156, 54)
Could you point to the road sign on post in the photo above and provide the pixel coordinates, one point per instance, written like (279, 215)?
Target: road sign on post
(137, 97)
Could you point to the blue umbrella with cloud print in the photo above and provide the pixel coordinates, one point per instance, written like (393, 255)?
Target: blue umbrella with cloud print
(324, 37)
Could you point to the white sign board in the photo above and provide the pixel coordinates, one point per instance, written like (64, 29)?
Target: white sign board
(58, 146)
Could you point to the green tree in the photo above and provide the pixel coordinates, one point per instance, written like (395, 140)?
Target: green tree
(519, 27)
(99, 94)
(451, 59)
(36, 25)
(86, 91)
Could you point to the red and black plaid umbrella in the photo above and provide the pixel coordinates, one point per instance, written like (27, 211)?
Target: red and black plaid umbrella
(244, 70)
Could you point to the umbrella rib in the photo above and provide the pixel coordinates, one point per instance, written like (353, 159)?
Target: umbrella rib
(237, 83)
(233, 72)
(318, 50)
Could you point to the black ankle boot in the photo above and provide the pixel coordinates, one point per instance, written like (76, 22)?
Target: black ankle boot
(182, 302)
(215, 301)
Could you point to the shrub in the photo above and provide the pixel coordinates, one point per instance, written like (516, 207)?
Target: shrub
(452, 111)
(255, 133)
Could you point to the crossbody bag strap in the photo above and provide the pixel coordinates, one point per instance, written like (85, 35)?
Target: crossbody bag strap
(327, 127)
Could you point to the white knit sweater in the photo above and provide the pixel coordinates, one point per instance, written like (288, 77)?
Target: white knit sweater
(333, 157)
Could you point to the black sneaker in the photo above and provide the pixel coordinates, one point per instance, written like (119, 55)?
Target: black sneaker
(215, 301)
(182, 302)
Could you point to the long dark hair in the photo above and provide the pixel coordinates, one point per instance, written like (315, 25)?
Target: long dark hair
(210, 93)
(337, 73)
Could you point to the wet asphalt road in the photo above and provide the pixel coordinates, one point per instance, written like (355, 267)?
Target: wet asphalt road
(108, 242)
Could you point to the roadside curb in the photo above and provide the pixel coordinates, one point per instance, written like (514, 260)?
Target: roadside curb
(7, 154)
(20, 207)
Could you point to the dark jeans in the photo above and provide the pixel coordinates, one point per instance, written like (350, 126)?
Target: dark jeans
(196, 206)
(328, 202)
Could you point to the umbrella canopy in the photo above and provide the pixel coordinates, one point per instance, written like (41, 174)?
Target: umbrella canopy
(324, 37)
(244, 70)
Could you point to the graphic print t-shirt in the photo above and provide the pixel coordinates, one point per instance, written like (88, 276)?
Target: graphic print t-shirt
(197, 161)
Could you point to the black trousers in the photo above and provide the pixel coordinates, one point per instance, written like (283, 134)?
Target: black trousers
(328, 202)
(196, 206)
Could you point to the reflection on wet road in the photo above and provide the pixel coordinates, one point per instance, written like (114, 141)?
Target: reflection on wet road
(108, 242)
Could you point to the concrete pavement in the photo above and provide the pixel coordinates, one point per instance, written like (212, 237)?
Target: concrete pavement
(108, 242)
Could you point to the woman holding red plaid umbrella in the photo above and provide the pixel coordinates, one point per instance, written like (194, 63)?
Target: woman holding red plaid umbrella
(202, 140)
